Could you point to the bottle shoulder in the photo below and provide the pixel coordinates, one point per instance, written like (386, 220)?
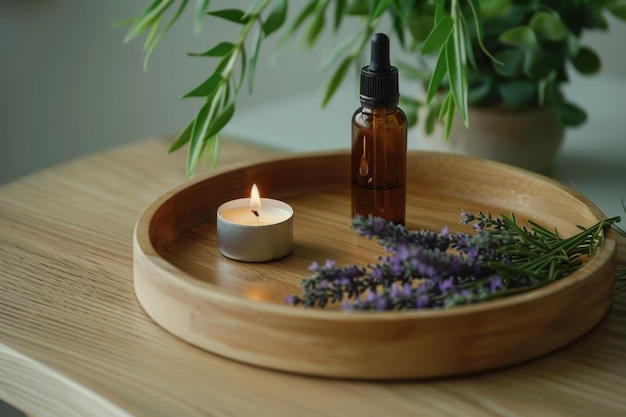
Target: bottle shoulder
(365, 117)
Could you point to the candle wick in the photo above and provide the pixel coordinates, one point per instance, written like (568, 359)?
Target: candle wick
(256, 213)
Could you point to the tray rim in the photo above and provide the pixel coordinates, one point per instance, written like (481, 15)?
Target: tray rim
(208, 290)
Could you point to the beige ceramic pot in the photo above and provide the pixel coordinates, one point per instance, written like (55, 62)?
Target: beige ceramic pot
(528, 139)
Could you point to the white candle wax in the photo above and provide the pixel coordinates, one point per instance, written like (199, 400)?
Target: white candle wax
(245, 217)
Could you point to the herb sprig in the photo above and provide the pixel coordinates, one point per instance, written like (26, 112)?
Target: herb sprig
(426, 269)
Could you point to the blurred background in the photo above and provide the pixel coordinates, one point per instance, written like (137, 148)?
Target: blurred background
(70, 86)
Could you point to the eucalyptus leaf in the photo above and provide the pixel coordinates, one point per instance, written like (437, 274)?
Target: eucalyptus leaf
(146, 19)
(256, 46)
(522, 36)
(587, 61)
(221, 49)
(379, 10)
(441, 68)
(547, 26)
(447, 102)
(438, 36)
(198, 130)
(457, 70)
(182, 138)
(431, 119)
(155, 41)
(420, 27)
(340, 11)
(201, 7)
(398, 28)
(207, 88)
(221, 120)
(276, 18)
(232, 15)
(449, 119)
(339, 49)
(336, 79)
(243, 69)
(315, 28)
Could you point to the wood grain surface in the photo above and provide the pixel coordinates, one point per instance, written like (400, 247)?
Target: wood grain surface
(74, 340)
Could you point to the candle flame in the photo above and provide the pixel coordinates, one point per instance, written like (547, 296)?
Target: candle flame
(255, 198)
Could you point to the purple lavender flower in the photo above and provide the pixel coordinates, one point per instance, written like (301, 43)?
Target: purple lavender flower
(495, 283)
(424, 269)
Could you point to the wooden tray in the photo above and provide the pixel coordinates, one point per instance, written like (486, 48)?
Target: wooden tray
(236, 309)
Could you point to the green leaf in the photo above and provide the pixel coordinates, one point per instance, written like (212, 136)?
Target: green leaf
(315, 28)
(412, 72)
(276, 18)
(221, 49)
(538, 63)
(336, 79)
(512, 60)
(522, 36)
(156, 40)
(147, 18)
(494, 8)
(420, 27)
(457, 70)
(618, 10)
(573, 46)
(256, 42)
(547, 26)
(212, 150)
(332, 57)
(431, 119)
(304, 14)
(479, 90)
(207, 88)
(587, 61)
(447, 102)
(243, 70)
(517, 93)
(379, 10)
(182, 138)
(449, 119)
(441, 68)
(201, 7)
(221, 120)
(410, 110)
(232, 15)
(398, 28)
(340, 11)
(438, 36)
(198, 130)
(572, 115)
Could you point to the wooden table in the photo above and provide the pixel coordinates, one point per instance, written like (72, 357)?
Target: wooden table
(75, 342)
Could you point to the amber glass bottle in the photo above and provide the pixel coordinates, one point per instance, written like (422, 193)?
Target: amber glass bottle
(379, 140)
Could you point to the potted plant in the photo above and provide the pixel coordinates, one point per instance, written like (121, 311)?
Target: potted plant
(511, 56)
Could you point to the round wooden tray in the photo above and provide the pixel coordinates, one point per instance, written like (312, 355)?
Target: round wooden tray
(236, 309)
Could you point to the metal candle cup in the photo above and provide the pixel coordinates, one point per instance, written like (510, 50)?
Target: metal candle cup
(247, 236)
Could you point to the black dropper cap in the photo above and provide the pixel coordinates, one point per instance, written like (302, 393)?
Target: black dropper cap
(379, 80)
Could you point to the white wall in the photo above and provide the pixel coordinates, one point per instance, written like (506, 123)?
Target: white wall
(70, 87)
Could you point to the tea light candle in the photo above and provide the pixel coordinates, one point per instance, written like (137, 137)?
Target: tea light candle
(255, 229)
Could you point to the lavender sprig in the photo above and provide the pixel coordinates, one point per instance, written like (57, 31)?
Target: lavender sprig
(425, 269)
